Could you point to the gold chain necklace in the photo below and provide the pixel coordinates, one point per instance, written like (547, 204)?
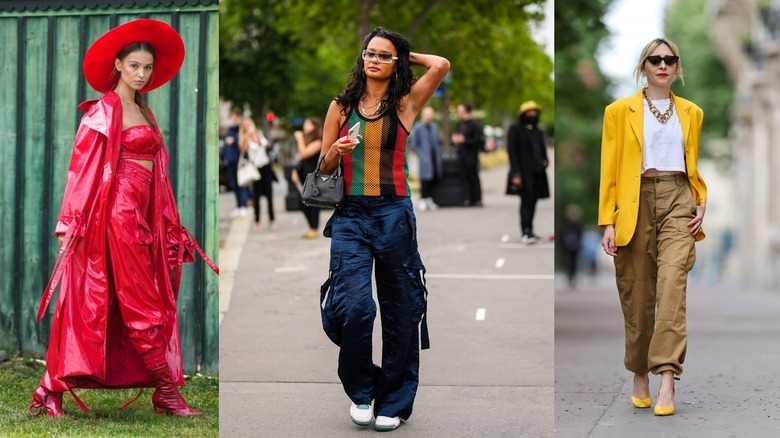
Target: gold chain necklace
(663, 118)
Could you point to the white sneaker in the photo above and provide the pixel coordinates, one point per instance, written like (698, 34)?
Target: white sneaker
(361, 414)
(432, 205)
(422, 205)
(386, 424)
(242, 212)
(529, 239)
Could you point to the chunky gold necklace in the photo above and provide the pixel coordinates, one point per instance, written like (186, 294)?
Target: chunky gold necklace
(663, 118)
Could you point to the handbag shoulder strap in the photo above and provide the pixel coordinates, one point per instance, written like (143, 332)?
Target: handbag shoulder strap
(338, 166)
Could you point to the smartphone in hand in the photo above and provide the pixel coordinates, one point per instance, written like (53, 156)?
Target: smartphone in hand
(352, 134)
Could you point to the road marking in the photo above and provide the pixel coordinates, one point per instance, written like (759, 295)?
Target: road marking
(505, 238)
(539, 245)
(491, 276)
(500, 263)
(285, 269)
(480, 314)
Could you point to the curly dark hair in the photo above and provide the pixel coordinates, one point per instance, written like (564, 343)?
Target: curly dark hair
(400, 83)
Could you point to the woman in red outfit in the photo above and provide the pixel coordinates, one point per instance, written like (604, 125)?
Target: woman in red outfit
(122, 244)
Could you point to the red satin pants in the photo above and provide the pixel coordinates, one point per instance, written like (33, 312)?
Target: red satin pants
(131, 274)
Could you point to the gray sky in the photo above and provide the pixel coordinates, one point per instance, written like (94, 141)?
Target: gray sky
(545, 33)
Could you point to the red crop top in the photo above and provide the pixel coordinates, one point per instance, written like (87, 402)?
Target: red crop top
(140, 142)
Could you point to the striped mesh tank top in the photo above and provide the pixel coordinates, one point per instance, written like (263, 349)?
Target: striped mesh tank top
(378, 165)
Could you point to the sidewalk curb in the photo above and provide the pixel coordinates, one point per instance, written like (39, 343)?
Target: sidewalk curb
(230, 257)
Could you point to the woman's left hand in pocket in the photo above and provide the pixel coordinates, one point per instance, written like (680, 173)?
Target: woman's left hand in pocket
(694, 226)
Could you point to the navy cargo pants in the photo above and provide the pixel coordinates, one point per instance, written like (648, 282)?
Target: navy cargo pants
(380, 233)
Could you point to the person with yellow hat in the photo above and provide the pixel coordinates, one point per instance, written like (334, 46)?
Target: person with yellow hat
(528, 166)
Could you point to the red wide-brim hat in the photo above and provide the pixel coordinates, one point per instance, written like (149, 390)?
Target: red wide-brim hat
(99, 60)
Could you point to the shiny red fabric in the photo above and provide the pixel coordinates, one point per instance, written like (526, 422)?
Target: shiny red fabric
(90, 345)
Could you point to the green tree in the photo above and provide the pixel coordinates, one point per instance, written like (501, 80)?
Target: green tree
(254, 60)
(495, 63)
(581, 95)
(707, 82)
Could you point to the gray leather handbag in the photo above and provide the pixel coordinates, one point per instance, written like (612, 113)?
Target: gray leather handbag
(324, 191)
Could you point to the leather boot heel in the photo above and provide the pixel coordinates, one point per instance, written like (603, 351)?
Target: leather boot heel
(50, 402)
(166, 398)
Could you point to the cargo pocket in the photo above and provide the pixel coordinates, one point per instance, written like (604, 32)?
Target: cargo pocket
(331, 324)
(328, 230)
(415, 271)
(691, 259)
(412, 223)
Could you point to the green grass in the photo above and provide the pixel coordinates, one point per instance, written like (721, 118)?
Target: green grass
(20, 377)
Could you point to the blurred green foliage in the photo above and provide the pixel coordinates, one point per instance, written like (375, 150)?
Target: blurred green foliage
(294, 56)
(707, 82)
(581, 95)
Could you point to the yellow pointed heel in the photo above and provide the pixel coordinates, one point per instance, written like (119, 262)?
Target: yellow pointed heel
(663, 412)
(667, 410)
(641, 403)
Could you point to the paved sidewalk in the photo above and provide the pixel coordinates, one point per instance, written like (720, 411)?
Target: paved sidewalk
(491, 377)
(729, 386)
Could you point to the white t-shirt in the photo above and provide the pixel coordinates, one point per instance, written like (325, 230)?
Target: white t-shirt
(663, 147)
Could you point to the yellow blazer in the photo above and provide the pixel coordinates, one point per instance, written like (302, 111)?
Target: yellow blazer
(621, 161)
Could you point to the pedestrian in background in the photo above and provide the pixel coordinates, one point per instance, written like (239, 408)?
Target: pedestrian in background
(309, 144)
(571, 241)
(424, 141)
(469, 139)
(528, 165)
(122, 243)
(375, 229)
(232, 152)
(256, 146)
(651, 206)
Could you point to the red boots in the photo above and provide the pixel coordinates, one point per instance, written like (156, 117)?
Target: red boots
(51, 402)
(166, 398)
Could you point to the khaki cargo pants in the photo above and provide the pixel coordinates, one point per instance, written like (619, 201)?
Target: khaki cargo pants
(652, 274)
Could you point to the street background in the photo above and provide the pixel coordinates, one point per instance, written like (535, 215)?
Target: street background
(729, 386)
(729, 52)
(480, 378)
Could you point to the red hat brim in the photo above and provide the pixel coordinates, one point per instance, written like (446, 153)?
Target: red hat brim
(167, 43)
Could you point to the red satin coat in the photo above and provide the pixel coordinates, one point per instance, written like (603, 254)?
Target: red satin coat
(89, 347)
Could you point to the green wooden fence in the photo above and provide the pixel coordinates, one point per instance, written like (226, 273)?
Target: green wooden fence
(42, 83)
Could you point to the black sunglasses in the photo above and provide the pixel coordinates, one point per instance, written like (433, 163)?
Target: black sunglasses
(656, 60)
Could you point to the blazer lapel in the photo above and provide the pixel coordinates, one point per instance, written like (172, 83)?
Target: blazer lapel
(685, 119)
(636, 117)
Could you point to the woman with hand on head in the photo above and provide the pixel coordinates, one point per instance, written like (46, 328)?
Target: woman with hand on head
(376, 228)
(651, 205)
(122, 244)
